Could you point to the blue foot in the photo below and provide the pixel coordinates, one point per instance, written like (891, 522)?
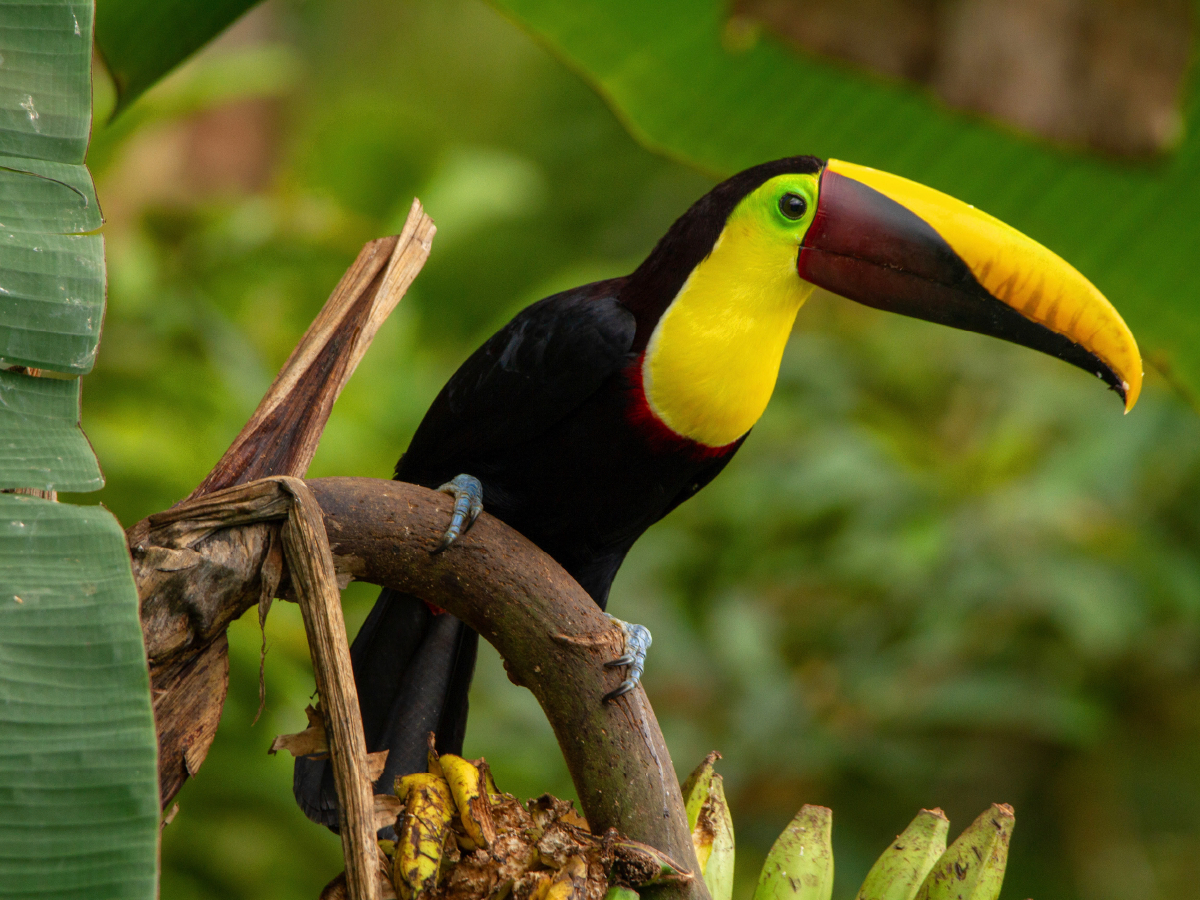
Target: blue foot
(637, 642)
(468, 504)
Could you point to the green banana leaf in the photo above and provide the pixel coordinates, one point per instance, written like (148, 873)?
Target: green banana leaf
(51, 274)
(78, 777)
(45, 79)
(78, 774)
(666, 72)
(42, 196)
(41, 444)
(51, 300)
(142, 40)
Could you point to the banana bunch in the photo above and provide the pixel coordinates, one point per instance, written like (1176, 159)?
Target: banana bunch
(457, 836)
(450, 803)
(916, 866)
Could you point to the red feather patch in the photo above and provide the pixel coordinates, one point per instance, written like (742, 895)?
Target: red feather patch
(658, 434)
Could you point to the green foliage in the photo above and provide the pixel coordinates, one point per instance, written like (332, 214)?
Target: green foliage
(51, 313)
(689, 87)
(78, 778)
(52, 304)
(42, 196)
(42, 445)
(143, 40)
(45, 88)
(942, 570)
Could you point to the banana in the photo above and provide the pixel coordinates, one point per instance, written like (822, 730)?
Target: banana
(695, 789)
(973, 867)
(800, 864)
(570, 882)
(428, 811)
(471, 797)
(712, 827)
(899, 871)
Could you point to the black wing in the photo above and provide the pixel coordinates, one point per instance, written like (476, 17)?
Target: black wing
(525, 378)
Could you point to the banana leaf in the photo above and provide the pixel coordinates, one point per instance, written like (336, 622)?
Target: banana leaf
(78, 777)
(142, 40)
(51, 272)
(45, 79)
(78, 771)
(41, 444)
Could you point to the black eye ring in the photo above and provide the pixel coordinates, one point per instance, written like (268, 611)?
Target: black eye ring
(793, 206)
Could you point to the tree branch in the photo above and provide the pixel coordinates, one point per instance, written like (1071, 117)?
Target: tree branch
(552, 636)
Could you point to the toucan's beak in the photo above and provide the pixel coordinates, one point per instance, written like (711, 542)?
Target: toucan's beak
(894, 244)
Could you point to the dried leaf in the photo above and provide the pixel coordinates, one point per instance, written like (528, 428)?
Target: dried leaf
(375, 765)
(312, 741)
(387, 810)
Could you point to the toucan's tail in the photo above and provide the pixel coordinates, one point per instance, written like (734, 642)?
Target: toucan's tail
(413, 669)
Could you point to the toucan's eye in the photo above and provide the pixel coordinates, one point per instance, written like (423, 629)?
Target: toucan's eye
(793, 206)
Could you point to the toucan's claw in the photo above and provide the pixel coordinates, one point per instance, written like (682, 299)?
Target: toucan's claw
(637, 642)
(468, 504)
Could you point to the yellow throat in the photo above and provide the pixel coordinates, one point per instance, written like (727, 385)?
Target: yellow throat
(713, 358)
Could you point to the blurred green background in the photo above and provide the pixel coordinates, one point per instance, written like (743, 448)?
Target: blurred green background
(942, 572)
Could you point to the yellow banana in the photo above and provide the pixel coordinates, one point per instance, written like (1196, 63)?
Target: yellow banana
(428, 811)
(712, 827)
(542, 888)
(900, 870)
(570, 881)
(973, 867)
(471, 797)
(800, 864)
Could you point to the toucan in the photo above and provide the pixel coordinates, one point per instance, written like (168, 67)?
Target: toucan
(597, 411)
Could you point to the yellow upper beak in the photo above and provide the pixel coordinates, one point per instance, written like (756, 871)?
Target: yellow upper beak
(929, 255)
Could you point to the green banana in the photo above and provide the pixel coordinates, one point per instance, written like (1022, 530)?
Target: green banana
(800, 864)
(695, 789)
(973, 867)
(900, 870)
(712, 827)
